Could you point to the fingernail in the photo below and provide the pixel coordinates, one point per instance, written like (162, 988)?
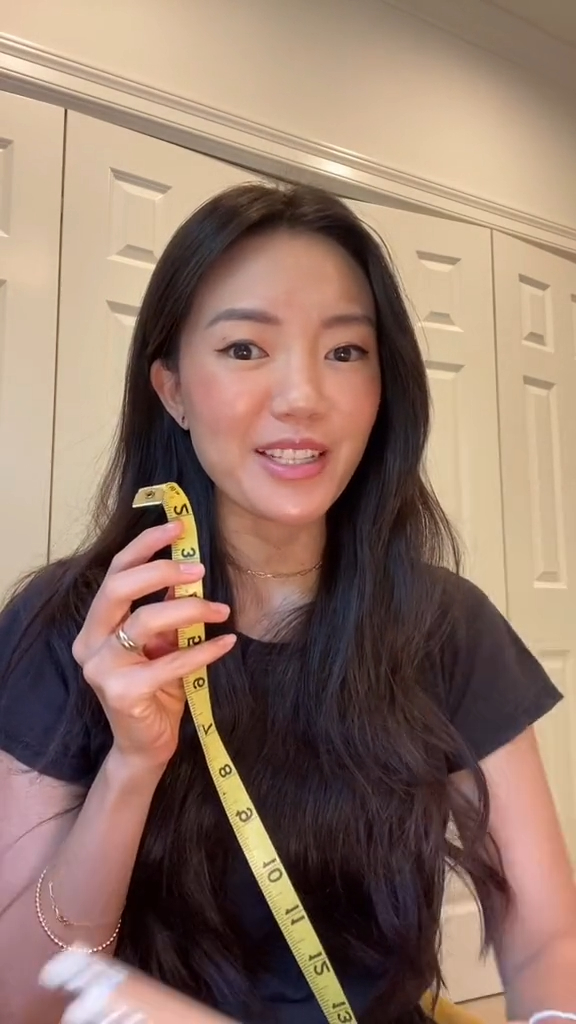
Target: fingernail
(216, 606)
(75, 969)
(90, 1006)
(228, 639)
(62, 967)
(192, 568)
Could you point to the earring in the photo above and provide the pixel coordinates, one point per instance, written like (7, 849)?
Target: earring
(183, 422)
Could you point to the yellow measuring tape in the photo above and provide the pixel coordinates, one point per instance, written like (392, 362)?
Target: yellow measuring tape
(256, 845)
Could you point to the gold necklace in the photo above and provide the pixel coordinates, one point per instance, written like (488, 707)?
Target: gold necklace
(274, 575)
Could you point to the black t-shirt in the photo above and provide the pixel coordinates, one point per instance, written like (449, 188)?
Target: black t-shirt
(490, 687)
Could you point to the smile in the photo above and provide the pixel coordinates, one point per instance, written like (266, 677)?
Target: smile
(291, 456)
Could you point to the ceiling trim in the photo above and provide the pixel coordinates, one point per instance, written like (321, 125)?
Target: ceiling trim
(532, 21)
(51, 77)
(500, 32)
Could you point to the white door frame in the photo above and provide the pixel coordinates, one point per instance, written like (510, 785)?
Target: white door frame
(43, 75)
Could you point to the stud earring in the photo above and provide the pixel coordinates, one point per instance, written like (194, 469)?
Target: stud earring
(183, 422)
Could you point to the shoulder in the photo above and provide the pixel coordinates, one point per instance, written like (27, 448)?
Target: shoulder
(458, 594)
(470, 619)
(493, 687)
(49, 718)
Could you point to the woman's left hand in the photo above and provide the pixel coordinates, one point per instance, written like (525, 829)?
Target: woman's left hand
(103, 990)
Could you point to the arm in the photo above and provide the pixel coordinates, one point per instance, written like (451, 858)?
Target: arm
(90, 854)
(536, 949)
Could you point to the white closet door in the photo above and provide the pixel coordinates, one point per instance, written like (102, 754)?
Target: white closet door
(125, 194)
(536, 332)
(446, 272)
(31, 153)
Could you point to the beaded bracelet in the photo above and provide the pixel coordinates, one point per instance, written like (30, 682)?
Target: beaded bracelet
(50, 934)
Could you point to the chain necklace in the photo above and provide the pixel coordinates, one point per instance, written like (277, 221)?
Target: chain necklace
(274, 575)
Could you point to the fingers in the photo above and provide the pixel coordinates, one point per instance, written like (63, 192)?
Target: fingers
(119, 591)
(104, 992)
(144, 546)
(120, 687)
(151, 621)
(91, 979)
(131, 577)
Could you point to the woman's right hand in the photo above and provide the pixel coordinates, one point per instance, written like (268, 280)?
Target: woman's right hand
(142, 693)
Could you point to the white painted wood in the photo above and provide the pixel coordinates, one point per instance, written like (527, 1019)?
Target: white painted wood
(446, 272)
(31, 144)
(536, 331)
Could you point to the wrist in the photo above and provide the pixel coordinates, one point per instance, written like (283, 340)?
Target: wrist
(125, 771)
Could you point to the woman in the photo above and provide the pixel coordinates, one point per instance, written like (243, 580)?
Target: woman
(365, 693)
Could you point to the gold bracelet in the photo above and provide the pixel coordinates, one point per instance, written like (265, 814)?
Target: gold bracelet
(54, 938)
(60, 917)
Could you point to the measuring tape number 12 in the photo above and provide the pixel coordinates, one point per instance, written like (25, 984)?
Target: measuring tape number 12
(255, 842)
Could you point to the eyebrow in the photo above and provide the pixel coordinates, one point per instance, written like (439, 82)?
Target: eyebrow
(260, 316)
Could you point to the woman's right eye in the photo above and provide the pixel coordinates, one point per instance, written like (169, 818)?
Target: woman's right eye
(244, 350)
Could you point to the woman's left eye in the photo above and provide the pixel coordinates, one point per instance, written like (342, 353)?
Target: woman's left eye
(347, 353)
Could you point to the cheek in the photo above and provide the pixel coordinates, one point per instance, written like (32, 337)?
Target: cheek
(216, 406)
(359, 407)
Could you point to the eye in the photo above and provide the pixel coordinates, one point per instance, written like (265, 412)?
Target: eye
(243, 350)
(347, 353)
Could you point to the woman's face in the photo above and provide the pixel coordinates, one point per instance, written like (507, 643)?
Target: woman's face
(279, 378)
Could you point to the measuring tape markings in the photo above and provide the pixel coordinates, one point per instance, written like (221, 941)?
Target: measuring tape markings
(254, 841)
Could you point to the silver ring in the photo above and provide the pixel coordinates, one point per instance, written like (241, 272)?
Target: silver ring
(127, 643)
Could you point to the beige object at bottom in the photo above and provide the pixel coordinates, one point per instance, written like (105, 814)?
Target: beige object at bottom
(492, 1009)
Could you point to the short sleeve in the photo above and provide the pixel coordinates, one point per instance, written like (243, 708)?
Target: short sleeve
(494, 688)
(46, 720)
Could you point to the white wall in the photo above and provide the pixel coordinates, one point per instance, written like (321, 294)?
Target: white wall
(354, 73)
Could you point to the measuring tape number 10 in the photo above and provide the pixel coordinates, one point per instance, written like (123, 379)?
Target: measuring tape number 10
(255, 842)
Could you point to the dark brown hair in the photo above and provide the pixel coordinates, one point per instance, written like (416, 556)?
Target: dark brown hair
(346, 756)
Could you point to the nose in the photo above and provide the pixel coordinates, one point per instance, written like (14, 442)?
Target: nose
(298, 393)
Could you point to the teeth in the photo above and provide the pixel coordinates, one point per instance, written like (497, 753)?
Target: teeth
(291, 456)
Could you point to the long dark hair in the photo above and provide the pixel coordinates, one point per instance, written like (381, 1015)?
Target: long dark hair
(346, 755)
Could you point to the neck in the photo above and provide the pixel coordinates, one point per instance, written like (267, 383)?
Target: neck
(278, 550)
(263, 546)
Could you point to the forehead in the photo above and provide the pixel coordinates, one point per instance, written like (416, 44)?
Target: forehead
(281, 271)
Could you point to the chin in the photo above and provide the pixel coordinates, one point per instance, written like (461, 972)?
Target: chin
(297, 517)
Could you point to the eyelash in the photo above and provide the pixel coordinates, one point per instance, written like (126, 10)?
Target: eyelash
(228, 349)
(359, 350)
